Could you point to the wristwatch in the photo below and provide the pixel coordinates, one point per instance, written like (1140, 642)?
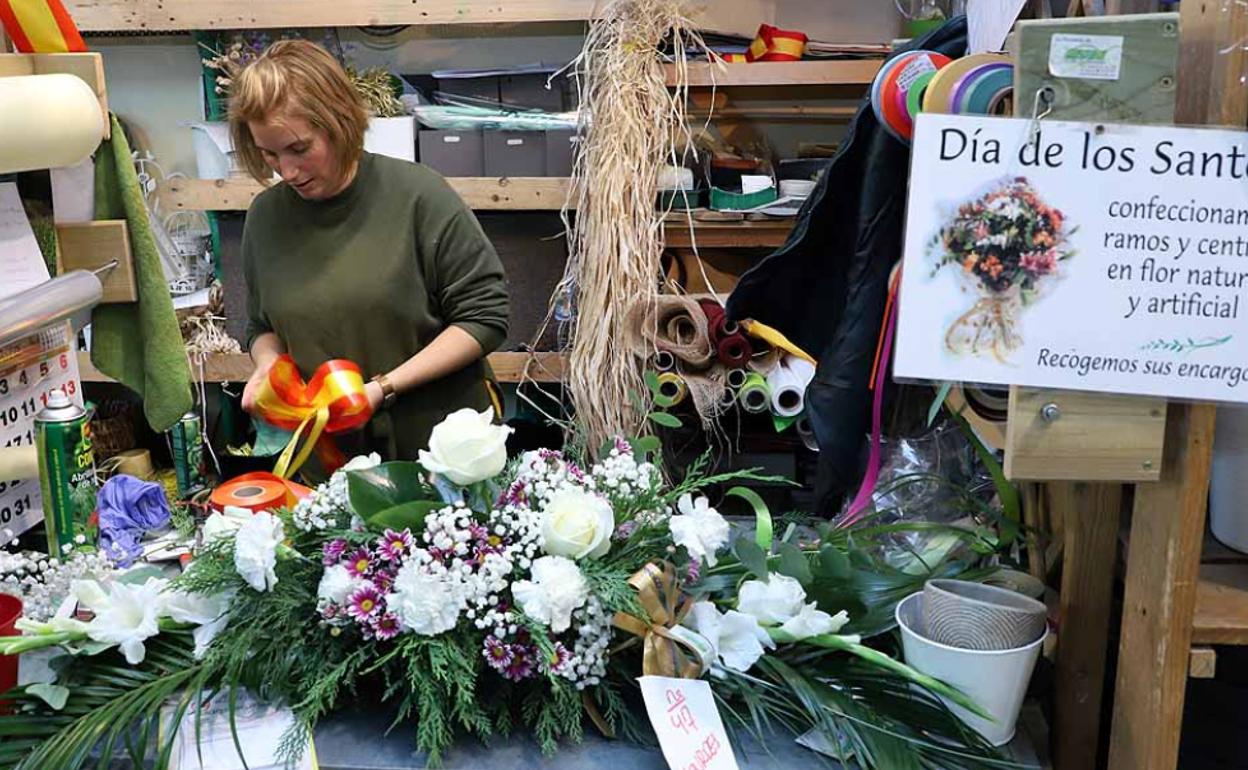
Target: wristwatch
(388, 393)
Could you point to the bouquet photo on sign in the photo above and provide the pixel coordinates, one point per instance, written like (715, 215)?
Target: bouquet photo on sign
(1006, 242)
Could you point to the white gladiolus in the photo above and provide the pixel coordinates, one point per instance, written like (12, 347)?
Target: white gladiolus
(738, 639)
(224, 524)
(362, 462)
(577, 524)
(467, 447)
(699, 528)
(773, 602)
(127, 616)
(209, 613)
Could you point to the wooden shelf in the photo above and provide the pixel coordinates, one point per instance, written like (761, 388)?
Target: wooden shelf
(728, 235)
(170, 15)
(1221, 615)
(480, 193)
(508, 367)
(87, 66)
(840, 72)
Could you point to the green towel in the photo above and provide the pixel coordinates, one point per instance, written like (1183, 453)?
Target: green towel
(139, 343)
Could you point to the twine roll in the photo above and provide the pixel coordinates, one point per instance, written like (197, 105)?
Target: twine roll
(734, 351)
(806, 433)
(664, 361)
(672, 385)
(736, 378)
(672, 324)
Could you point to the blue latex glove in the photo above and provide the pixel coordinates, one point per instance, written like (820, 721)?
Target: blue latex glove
(129, 507)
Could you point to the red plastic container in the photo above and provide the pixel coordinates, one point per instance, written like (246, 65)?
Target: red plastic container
(10, 611)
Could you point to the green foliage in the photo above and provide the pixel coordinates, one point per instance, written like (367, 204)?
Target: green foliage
(664, 419)
(384, 486)
(555, 715)
(409, 516)
(608, 580)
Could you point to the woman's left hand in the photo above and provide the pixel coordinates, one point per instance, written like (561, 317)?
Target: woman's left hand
(375, 395)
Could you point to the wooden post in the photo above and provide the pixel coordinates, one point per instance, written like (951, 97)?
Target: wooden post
(1168, 528)
(1083, 631)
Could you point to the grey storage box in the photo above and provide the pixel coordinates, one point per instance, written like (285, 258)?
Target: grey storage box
(453, 153)
(529, 91)
(515, 153)
(486, 88)
(560, 152)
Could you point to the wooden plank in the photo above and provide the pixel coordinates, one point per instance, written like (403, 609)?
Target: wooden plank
(729, 235)
(480, 193)
(1202, 663)
(847, 72)
(163, 15)
(87, 66)
(508, 367)
(91, 245)
(1097, 437)
(1221, 614)
(1160, 596)
(1092, 512)
(1114, 7)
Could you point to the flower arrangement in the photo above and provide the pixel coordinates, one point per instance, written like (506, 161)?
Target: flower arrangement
(1005, 243)
(549, 582)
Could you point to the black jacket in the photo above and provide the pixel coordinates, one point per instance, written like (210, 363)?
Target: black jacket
(825, 289)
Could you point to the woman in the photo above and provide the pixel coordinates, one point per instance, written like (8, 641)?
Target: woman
(359, 256)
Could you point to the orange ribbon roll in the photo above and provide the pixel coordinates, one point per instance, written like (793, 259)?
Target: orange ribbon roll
(258, 491)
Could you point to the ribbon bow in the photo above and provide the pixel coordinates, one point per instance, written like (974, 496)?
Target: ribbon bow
(331, 402)
(669, 649)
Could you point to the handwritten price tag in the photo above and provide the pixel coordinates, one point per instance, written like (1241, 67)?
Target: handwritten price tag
(687, 723)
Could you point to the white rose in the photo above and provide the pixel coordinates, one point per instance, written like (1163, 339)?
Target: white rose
(776, 601)
(699, 528)
(557, 589)
(255, 550)
(467, 447)
(738, 639)
(577, 524)
(224, 524)
(336, 585)
(814, 622)
(128, 616)
(362, 462)
(426, 603)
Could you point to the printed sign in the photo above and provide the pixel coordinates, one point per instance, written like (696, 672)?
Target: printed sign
(1078, 256)
(1090, 57)
(687, 723)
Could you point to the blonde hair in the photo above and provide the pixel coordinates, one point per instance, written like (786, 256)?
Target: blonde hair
(298, 79)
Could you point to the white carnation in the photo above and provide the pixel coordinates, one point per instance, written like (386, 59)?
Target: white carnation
(557, 589)
(255, 550)
(425, 602)
(699, 528)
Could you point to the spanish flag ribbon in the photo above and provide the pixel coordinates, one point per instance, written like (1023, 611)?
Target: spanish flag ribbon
(774, 44)
(331, 402)
(40, 26)
(669, 649)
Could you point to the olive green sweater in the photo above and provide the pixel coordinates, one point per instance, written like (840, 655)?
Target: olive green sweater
(373, 275)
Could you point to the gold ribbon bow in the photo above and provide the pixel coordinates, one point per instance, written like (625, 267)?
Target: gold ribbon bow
(669, 649)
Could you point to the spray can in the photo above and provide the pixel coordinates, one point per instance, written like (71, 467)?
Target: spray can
(66, 459)
(188, 454)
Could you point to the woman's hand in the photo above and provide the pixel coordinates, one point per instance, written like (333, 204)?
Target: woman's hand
(252, 388)
(375, 395)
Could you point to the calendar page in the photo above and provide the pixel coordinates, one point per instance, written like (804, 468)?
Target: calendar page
(30, 369)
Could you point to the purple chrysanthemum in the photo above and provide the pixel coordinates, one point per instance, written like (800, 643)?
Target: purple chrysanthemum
(384, 579)
(394, 546)
(623, 446)
(497, 654)
(333, 551)
(385, 626)
(329, 611)
(560, 657)
(364, 603)
(521, 666)
(693, 571)
(625, 530)
(359, 562)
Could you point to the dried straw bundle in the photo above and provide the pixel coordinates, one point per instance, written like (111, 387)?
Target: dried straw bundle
(631, 125)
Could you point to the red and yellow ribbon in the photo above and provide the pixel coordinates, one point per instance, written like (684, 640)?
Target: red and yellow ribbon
(331, 402)
(774, 44)
(40, 26)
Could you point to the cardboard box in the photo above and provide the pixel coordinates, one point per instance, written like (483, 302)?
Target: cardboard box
(560, 152)
(453, 153)
(515, 153)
